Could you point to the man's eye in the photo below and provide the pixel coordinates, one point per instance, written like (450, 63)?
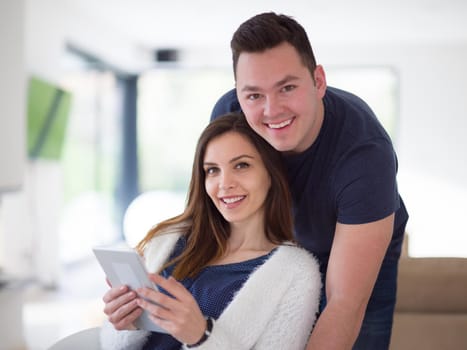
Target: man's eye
(288, 88)
(253, 97)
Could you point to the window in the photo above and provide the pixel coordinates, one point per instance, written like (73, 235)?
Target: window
(174, 106)
(377, 86)
(91, 154)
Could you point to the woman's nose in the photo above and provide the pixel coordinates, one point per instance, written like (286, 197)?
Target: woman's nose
(226, 181)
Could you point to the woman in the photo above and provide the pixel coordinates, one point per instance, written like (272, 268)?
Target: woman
(229, 276)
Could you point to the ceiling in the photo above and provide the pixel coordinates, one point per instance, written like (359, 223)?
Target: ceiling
(182, 23)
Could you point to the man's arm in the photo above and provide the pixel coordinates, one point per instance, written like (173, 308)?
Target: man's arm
(356, 256)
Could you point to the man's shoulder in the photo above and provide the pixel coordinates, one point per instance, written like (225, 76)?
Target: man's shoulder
(341, 100)
(354, 117)
(227, 103)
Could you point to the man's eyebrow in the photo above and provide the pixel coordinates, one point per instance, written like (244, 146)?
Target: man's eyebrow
(249, 88)
(285, 80)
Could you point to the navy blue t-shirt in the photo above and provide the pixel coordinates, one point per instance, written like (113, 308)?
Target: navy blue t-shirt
(348, 175)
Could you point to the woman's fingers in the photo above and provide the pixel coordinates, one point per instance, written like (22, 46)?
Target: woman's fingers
(114, 293)
(157, 310)
(186, 325)
(116, 298)
(179, 314)
(126, 322)
(171, 285)
(121, 307)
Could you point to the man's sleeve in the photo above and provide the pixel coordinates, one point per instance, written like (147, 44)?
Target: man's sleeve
(227, 103)
(366, 184)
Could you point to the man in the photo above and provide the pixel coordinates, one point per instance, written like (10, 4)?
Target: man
(342, 173)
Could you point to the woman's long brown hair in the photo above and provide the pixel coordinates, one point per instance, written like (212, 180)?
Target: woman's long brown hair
(205, 228)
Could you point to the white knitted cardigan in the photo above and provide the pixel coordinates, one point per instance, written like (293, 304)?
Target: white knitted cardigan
(275, 308)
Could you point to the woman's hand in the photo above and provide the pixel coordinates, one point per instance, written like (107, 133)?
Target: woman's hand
(121, 307)
(180, 315)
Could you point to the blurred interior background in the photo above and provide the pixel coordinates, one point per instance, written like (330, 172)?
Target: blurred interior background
(101, 104)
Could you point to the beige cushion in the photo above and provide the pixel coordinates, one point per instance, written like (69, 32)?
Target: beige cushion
(432, 285)
(429, 331)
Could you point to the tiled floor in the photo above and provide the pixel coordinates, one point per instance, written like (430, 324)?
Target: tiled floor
(49, 315)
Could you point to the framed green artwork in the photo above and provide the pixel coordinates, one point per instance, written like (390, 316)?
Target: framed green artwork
(47, 117)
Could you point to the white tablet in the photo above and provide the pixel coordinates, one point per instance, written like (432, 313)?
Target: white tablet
(124, 266)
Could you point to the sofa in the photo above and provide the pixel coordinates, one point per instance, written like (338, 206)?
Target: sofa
(431, 308)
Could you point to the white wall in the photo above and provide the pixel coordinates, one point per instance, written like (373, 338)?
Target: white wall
(12, 150)
(433, 147)
(12, 104)
(12, 94)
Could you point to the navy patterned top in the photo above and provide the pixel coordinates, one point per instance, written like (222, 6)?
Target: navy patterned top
(213, 288)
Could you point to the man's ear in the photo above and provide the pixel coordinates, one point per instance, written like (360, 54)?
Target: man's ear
(320, 80)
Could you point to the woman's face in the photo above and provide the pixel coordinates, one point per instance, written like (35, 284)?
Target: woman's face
(236, 179)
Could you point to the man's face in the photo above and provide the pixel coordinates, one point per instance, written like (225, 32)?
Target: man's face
(279, 97)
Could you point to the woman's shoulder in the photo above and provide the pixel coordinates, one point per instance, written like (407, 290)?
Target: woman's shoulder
(169, 234)
(161, 240)
(292, 251)
(302, 268)
(160, 247)
(297, 258)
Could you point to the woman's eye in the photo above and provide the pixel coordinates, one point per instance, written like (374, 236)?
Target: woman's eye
(242, 165)
(210, 171)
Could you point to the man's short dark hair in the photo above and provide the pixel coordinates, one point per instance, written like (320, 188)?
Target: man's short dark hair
(268, 30)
